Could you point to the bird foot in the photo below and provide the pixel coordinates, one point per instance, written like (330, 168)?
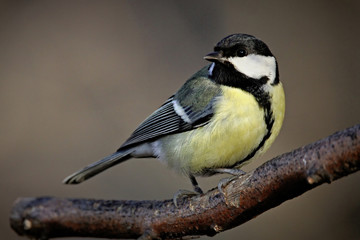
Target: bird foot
(225, 181)
(182, 193)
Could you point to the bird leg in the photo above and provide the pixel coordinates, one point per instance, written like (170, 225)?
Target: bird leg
(186, 193)
(195, 184)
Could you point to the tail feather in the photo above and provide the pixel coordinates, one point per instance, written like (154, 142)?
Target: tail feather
(97, 167)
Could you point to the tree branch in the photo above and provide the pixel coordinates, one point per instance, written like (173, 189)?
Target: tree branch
(276, 181)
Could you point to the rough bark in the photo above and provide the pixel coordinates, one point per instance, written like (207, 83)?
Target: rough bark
(245, 197)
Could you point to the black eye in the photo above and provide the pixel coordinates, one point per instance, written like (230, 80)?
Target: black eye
(241, 52)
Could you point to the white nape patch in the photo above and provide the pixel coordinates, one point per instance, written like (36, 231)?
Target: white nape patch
(211, 69)
(255, 66)
(180, 111)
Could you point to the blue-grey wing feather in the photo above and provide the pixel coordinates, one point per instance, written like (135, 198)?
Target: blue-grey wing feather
(165, 120)
(162, 122)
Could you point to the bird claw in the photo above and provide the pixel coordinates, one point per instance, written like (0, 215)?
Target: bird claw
(182, 193)
(225, 181)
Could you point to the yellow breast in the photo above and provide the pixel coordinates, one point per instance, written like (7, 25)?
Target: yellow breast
(235, 130)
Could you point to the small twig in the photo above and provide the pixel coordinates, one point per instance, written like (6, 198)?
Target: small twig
(276, 181)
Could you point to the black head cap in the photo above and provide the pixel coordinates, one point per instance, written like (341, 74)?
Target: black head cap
(240, 45)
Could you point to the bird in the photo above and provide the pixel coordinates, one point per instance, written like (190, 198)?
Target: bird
(224, 116)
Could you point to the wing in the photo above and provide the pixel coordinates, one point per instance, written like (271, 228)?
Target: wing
(189, 108)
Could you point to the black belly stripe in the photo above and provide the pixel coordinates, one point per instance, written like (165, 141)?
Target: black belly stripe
(269, 120)
(225, 74)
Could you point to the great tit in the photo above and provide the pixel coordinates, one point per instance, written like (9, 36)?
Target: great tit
(225, 115)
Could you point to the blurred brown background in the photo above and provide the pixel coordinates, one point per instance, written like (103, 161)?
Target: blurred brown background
(78, 76)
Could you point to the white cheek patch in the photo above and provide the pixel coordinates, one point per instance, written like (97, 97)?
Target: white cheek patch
(255, 66)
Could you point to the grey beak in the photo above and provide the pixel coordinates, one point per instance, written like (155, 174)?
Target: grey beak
(214, 57)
